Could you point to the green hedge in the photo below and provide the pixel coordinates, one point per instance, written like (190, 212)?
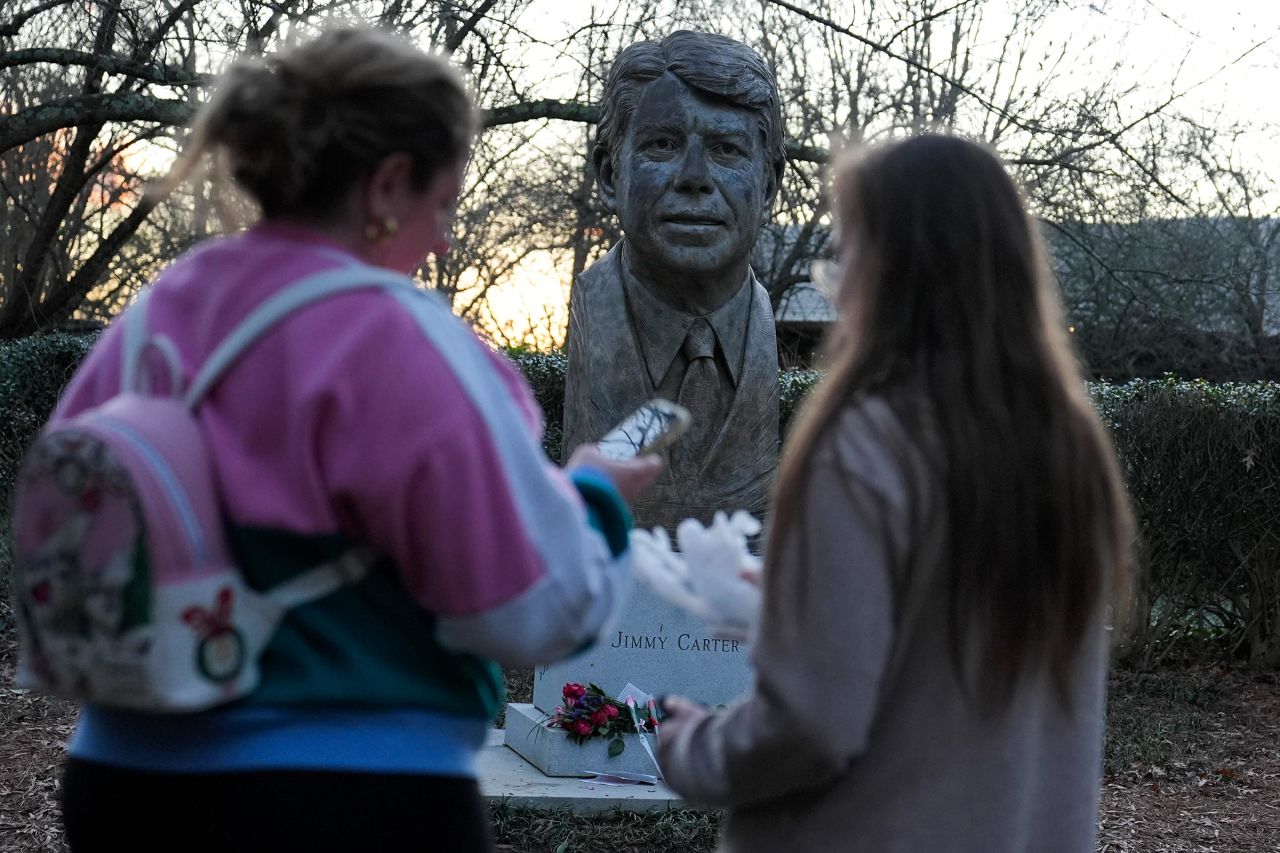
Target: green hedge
(545, 372)
(33, 372)
(1202, 462)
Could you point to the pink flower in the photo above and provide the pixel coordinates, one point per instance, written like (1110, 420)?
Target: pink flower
(582, 727)
(611, 711)
(599, 718)
(574, 691)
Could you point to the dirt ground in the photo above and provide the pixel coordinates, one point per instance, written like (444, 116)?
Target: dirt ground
(1216, 783)
(1193, 763)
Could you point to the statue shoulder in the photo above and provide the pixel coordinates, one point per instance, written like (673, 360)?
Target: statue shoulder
(597, 311)
(603, 274)
(761, 303)
(759, 295)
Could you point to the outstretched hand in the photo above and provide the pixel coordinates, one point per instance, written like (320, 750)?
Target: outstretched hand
(677, 712)
(672, 707)
(631, 477)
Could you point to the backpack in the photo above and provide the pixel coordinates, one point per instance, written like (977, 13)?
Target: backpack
(124, 585)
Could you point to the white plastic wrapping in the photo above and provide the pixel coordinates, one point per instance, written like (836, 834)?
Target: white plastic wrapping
(712, 575)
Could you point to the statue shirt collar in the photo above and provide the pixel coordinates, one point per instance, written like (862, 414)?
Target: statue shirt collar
(661, 329)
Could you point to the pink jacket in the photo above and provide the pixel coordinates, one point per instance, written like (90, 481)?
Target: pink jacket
(386, 419)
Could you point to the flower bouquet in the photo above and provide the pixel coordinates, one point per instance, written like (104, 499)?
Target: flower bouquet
(588, 712)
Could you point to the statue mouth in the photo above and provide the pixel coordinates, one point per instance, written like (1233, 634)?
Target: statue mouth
(704, 220)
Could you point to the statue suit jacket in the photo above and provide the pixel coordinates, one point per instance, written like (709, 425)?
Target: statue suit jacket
(607, 380)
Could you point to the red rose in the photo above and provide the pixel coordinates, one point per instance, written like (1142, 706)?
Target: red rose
(574, 691)
(582, 727)
(599, 718)
(611, 711)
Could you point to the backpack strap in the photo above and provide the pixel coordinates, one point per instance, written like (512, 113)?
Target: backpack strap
(318, 582)
(135, 342)
(311, 289)
(134, 375)
(355, 563)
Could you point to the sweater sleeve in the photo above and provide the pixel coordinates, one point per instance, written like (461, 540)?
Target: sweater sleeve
(430, 457)
(825, 638)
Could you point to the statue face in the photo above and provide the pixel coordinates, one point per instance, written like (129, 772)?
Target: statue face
(689, 181)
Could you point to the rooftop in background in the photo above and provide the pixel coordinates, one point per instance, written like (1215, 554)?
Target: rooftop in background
(803, 304)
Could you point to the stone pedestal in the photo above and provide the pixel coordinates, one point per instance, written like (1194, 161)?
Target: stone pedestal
(655, 646)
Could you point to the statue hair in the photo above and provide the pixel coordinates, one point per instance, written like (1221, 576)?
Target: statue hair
(712, 64)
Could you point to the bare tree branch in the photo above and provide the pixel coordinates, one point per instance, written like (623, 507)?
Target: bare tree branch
(71, 180)
(913, 63)
(539, 110)
(147, 48)
(84, 110)
(14, 24)
(163, 75)
(455, 41)
(67, 295)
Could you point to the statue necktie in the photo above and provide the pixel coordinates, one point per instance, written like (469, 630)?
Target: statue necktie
(700, 394)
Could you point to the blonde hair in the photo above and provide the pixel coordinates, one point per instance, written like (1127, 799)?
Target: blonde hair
(296, 129)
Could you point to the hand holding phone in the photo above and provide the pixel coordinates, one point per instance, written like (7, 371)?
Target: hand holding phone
(649, 429)
(631, 477)
(628, 453)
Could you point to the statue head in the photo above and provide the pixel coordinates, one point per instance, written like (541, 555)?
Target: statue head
(689, 152)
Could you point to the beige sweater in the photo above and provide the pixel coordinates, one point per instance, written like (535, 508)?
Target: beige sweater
(855, 735)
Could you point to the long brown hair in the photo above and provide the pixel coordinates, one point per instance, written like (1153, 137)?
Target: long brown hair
(945, 288)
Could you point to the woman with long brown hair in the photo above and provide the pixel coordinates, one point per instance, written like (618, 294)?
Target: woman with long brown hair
(950, 540)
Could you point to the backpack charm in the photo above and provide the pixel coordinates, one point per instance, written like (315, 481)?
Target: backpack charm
(220, 649)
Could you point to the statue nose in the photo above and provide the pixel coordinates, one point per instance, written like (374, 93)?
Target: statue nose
(694, 175)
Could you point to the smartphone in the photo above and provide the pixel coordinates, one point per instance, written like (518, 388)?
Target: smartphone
(649, 429)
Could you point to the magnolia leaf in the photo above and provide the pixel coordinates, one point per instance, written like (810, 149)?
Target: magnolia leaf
(615, 747)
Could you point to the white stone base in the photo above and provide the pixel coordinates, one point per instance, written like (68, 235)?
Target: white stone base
(507, 778)
(552, 752)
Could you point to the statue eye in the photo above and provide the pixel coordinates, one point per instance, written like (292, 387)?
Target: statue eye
(660, 145)
(728, 150)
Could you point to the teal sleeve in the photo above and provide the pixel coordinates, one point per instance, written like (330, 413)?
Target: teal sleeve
(606, 510)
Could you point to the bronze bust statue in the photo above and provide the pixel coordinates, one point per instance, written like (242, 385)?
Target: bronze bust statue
(689, 154)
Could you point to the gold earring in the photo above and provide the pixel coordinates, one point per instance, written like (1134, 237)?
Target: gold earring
(381, 230)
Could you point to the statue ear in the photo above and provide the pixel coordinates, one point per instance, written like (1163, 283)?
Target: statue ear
(602, 160)
(773, 180)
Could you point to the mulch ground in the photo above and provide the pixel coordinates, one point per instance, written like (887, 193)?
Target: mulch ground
(1193, 763)
(33, 731)
(1219, 789)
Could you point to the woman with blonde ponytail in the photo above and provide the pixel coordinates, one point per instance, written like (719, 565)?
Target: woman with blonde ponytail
(948, 549)
(369, 421)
